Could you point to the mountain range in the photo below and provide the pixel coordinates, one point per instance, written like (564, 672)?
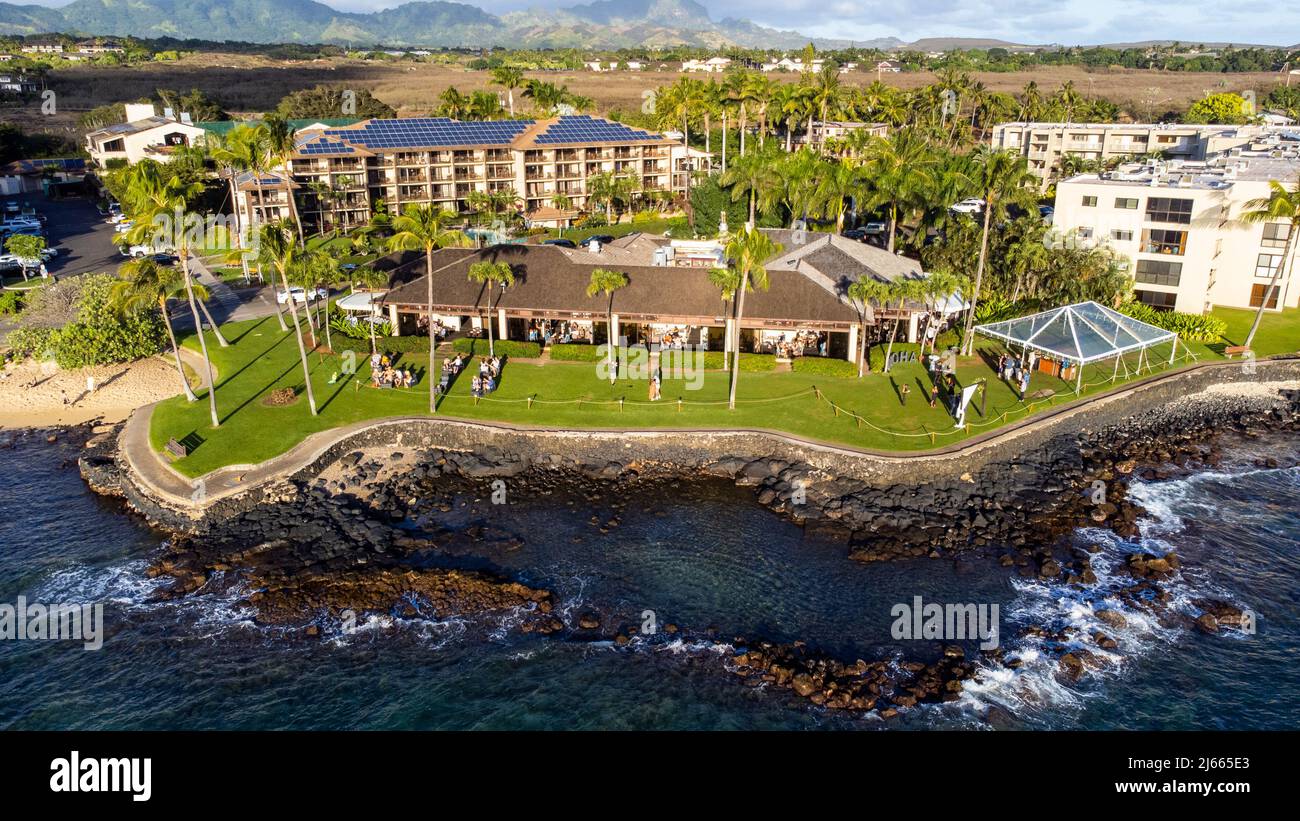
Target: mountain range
(599, 24)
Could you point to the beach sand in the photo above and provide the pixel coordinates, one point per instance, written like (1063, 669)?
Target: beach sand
(33, 394)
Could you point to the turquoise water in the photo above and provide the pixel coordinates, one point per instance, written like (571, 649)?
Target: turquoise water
(704, 557)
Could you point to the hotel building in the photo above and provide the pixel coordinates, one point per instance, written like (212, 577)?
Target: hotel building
(1180, 225)
(1044, 144)
(343, 172)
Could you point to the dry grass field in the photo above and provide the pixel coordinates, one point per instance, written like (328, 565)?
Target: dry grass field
(250, 84)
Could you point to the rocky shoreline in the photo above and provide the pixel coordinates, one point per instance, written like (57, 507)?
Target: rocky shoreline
(340, 538)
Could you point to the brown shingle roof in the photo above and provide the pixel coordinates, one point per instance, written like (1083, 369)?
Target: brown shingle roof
(546, 279)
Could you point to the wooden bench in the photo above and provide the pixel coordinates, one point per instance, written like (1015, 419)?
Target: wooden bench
(176, 449)
(1233, 350)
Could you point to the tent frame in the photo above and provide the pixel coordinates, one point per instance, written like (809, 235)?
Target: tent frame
(1070, 312)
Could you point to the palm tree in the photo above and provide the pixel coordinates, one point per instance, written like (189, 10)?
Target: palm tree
(800, 172)
(727, 280)
(154, 200)
(277, 250)
(424, 227)
(146, 285)
(825, 95)
(898, 168)
(280, 141)
(607, 189)
(243, 148)
(899, 290)
(509, 78)
(492, 273)
(680, 103)
(453, 104)
(749, 250)
(1280, 205)
(753, 176)
(1002, 178)
(371, 279)
(867, 292)
(840, 181)
(606, 281)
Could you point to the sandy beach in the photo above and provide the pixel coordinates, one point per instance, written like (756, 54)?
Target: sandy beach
(39, 394)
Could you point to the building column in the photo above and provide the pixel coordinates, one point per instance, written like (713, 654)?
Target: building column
(503, 329)
(728, 336)
(853, 344)
(612, 331)
(913, 325)
(394, 321)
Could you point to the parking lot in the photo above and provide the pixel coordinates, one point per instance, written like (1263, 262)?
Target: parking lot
(74, 227)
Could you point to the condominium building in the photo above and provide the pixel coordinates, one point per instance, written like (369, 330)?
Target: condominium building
(1180, 225)
(343, 172)
(1044, 144)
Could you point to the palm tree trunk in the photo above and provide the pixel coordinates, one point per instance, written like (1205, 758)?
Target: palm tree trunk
(862, 349)
(434, 376)
(893, 332)
(968, 343)
(302, 355)
(215, 330)
(1272, 283)
(279, 311)
(744, 121)
(176, 351)
(612, 333)
(735, 363)
(491, 345)
(203, 343)
(893, 225)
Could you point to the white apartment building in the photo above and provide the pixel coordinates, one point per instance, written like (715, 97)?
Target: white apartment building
(144, 134)
(1044, 144)
(1179, 223)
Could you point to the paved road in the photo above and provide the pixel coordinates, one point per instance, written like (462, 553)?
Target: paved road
(226, 304)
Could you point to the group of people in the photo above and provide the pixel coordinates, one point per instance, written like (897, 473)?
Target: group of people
(489, 371)
(802, 342)
(563, 332)
(385, 374)
(1017, 371)
(439, 330)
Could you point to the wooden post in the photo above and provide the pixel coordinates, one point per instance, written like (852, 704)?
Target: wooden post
(679, 404)
(530, 403)
(620, 404)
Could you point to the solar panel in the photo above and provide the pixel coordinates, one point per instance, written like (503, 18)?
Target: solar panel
(427, 132)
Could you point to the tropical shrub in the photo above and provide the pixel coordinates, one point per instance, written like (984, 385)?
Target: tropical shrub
(11, 302)
(391, 344)
(749, 362)
(1189, 327)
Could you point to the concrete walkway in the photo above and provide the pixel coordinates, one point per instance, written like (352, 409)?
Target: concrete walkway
(166, 483)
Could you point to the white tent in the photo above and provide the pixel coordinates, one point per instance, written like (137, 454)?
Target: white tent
(1082, 333)
(361, 302)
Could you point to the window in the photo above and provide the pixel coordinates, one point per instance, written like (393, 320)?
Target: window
(1089, 202)
(1164, 241)
(1083, 233)
(1159, 300)
(1127, 203)
(1167, 209)
(1275, 234)
(1257, 296)
(1266, 265)
(1158, 272)
(1121, 236)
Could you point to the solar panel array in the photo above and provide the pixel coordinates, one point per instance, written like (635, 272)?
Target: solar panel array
(581, 128)
(324, 146)
(427, 132)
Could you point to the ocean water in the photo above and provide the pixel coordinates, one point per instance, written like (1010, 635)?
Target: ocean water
(704, 557)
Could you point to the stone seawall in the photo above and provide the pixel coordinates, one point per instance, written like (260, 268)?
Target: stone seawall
(945, 497)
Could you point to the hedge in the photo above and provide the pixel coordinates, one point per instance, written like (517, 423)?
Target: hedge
(390, 344)
(749, 362)
(567, 352)
(503, 347)
(823, 366)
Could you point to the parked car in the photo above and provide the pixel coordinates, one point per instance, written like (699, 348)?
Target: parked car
(971, 205)
(858, 234)
(301, 295)
(12, 207)
(563, 243)
(603, 239)
(142, 250)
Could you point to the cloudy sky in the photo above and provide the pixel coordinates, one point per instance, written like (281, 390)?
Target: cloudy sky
(1025, 21)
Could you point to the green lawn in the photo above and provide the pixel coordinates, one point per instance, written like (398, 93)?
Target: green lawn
(261, 358)
(1278, 332)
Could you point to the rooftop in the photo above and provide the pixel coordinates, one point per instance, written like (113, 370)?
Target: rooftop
(440, 132)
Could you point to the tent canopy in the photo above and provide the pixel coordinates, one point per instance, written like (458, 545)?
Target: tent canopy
(359, 302)
(1084, 332)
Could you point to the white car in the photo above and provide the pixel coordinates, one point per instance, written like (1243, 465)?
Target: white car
(301, 295)
(971, 205)
(138, 251)
(123, 227)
